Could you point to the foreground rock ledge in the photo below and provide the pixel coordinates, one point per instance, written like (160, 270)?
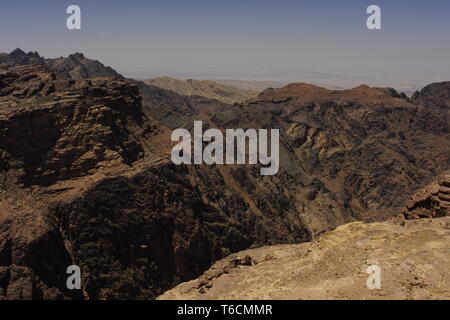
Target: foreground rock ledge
(413, 257)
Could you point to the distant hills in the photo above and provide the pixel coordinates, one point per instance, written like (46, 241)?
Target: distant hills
(204, 88)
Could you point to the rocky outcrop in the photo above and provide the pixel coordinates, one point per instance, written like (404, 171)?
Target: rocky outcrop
(435, 95)
(54, 129)
(413, 261)
(432, 201)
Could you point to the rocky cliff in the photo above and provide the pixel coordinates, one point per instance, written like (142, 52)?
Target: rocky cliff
(345, 154)
(58, 137)
(89, 183)
(435, 95)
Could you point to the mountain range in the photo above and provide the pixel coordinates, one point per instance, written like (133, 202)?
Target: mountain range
(86, 176)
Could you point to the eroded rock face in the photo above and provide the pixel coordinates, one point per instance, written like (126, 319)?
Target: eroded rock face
(368, 149)
(435, 95)
(55, 129)
(432, 201)
(413, 260)
(58, 137)
(160, 231)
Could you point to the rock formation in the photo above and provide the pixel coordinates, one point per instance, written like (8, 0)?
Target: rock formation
(413, 261)
(435, 95)
(432, 201)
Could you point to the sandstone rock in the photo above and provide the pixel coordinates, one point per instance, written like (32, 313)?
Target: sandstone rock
(432, 201)
(413, 260)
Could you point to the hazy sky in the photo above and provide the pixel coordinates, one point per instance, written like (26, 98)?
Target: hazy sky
(319, 40)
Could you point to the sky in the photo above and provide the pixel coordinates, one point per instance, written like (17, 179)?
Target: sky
(318, 41)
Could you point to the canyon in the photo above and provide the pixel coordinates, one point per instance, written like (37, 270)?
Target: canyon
(86, 177)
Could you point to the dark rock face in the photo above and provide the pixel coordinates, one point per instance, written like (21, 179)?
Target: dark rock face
(435, 95)
(160, 231)
(55, 129)
(53, 133)
(78, 66)
(368, 148)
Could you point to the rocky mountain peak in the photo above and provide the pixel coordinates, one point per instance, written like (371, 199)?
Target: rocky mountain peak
(435, 95)
(17, 52)
(75, 65)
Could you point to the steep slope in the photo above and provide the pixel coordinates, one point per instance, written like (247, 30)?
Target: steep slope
(345, 154)
(413, 261)
(58, 137)
(89, 183)
(204, 88)
(369, 144)
(435, 95)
